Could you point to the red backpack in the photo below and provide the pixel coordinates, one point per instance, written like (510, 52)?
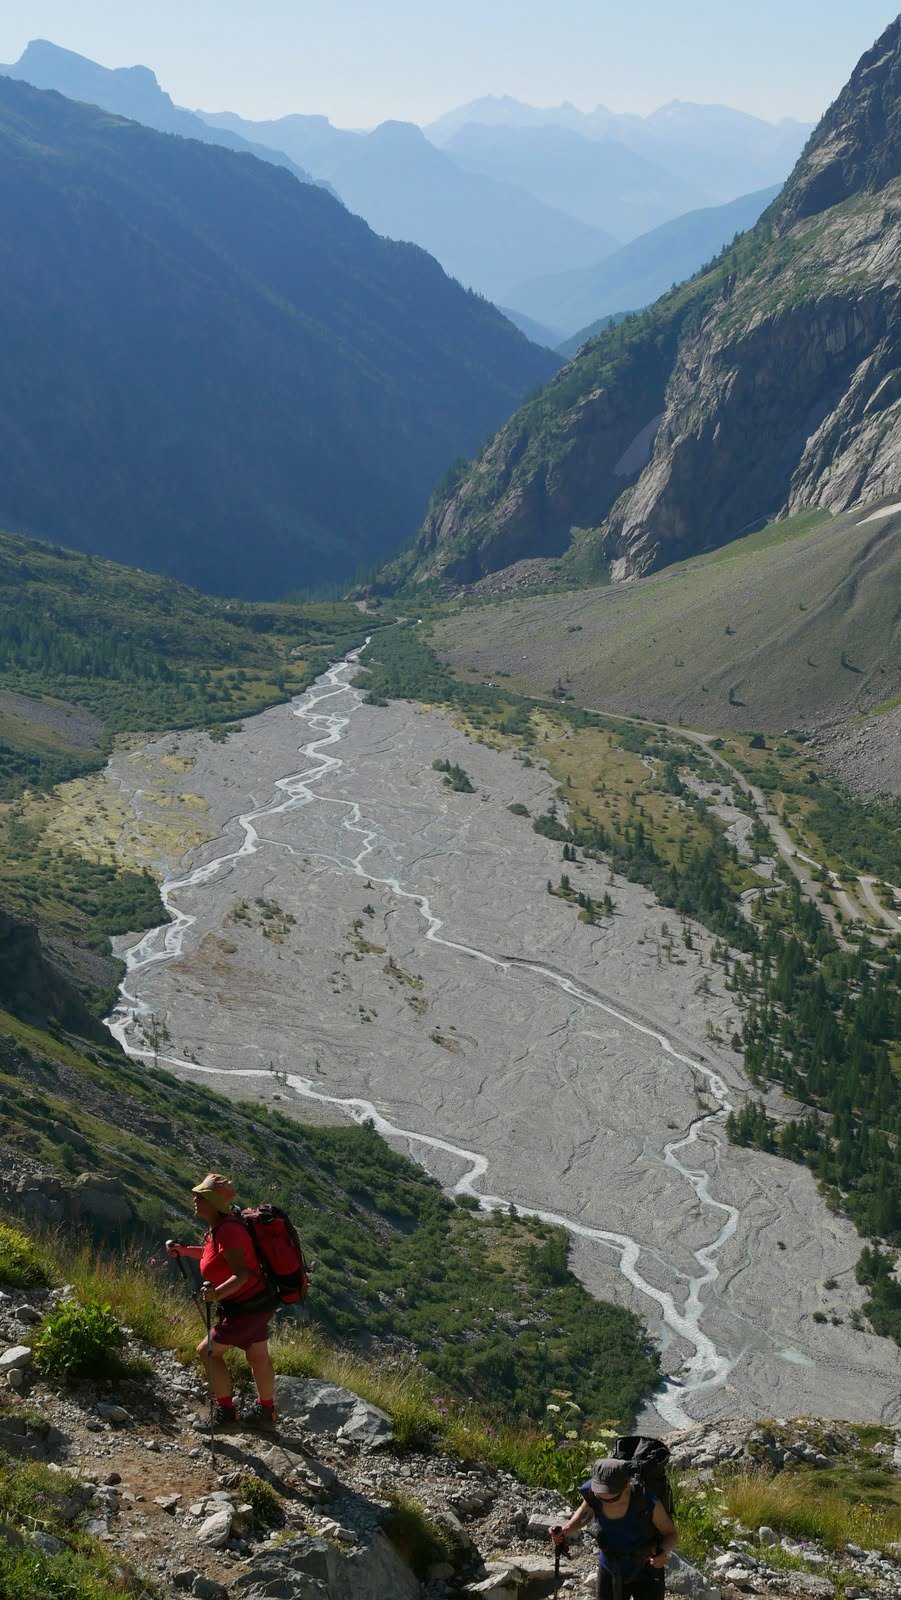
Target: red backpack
(278, 1249)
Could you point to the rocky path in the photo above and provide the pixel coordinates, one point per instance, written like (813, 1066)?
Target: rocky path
(306, 1514)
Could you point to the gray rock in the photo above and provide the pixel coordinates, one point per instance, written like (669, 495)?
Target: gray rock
(46, 1543)
(15, 1377)
(316, 1569)
(18, 1355)
(112, 1413)
(326, 1408)
(216, 1530)
(184, 1577)
(10, 1537)
(98, 1527)
(685, 1579)
(208, 1589)
(767, 1535)
(168, 1502)
(102, 1198)
(27, 1314)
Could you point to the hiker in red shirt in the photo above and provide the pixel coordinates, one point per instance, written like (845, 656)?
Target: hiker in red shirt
(234, 1283)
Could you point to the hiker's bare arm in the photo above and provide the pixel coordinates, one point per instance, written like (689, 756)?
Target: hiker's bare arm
(240, 1275)
(576, 1520)
(192, 1251)
(669, 1538)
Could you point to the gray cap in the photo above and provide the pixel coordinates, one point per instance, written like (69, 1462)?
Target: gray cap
(610, 1478)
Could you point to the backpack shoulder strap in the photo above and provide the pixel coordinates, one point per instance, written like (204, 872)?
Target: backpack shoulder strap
(645, 1513)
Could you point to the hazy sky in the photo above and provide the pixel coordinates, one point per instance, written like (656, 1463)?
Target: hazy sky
(359, 61)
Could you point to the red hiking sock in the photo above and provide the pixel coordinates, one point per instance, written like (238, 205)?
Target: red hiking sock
(267, 1405)
(227, 1404)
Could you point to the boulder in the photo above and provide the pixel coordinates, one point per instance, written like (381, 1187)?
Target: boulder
(685, 1579)
(315, 1569)
(46, 1543)
(525, 1576)
(767, 1535)
(102, 1198)
(216, 1530)
(112, 1413)
(208, 1588)
(18, 1355)
(326, 1408)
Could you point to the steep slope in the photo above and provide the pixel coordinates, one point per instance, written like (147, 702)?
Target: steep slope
(768, 383)
(787, 627)
(481, 228)
(129, 92)
(202, 358)
(642, 270)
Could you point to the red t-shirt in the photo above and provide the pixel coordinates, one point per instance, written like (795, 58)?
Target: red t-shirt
(230, 1235)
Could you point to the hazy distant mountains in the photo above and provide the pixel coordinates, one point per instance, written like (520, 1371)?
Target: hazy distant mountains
(499, 192)
(130, 92)
(640, 271)
(212, 370)
(482, 229)
(713, 150)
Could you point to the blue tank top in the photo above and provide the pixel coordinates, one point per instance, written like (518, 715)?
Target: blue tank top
(623, 1538)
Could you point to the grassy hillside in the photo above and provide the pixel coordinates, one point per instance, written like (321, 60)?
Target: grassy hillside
(394, 1259)
(779, 629)
(224, 374)
(90, 650)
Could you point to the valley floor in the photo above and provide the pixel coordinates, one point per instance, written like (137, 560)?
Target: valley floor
(355, 938)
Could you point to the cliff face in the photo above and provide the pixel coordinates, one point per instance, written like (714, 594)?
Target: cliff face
(769, 383)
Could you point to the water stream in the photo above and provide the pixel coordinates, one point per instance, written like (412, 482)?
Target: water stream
(707, 1367)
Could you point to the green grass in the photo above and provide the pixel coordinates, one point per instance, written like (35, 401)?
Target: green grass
(419, 1540)
(23, 1262)
(30, 1499)
(140, 652)
(394, 1259)
(804, 1507)
(800, 597)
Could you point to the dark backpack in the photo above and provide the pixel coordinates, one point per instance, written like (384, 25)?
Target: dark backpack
(279, 1251)
(647, 1458)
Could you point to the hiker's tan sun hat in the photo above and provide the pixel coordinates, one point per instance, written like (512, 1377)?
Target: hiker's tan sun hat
(216, 1189)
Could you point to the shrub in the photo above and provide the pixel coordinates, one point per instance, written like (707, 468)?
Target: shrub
(267, 1507)
(80, 1342)
(414, 1535)
(22, 1263)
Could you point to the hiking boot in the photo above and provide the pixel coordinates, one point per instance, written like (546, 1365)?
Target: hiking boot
(260, 1417)
(224, 1417)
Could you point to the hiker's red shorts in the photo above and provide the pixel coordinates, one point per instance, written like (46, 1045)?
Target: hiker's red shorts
(239, 1332)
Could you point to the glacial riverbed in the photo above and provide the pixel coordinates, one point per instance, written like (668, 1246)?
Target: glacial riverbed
(354, 939)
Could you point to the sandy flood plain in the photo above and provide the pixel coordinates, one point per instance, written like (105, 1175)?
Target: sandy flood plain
(592, 1089)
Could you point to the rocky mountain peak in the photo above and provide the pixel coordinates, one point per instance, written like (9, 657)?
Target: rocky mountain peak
(856, 147)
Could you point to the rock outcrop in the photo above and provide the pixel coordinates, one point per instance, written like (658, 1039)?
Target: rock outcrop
(767, 384)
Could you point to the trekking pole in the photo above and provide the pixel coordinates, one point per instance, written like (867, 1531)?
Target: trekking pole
(205, 1310)
(209, 1378)
(561, 1549)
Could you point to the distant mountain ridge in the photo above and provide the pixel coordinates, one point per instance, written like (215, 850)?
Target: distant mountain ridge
(211, 370)
(481, 228)
(769, 383)
(720, 151)
(130, 92)
(640, 271)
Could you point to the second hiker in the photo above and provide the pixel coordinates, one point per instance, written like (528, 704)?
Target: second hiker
(235, 1285)
(635, 1534)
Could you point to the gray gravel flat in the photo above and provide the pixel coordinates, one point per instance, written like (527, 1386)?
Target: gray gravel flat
(590, 1090)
